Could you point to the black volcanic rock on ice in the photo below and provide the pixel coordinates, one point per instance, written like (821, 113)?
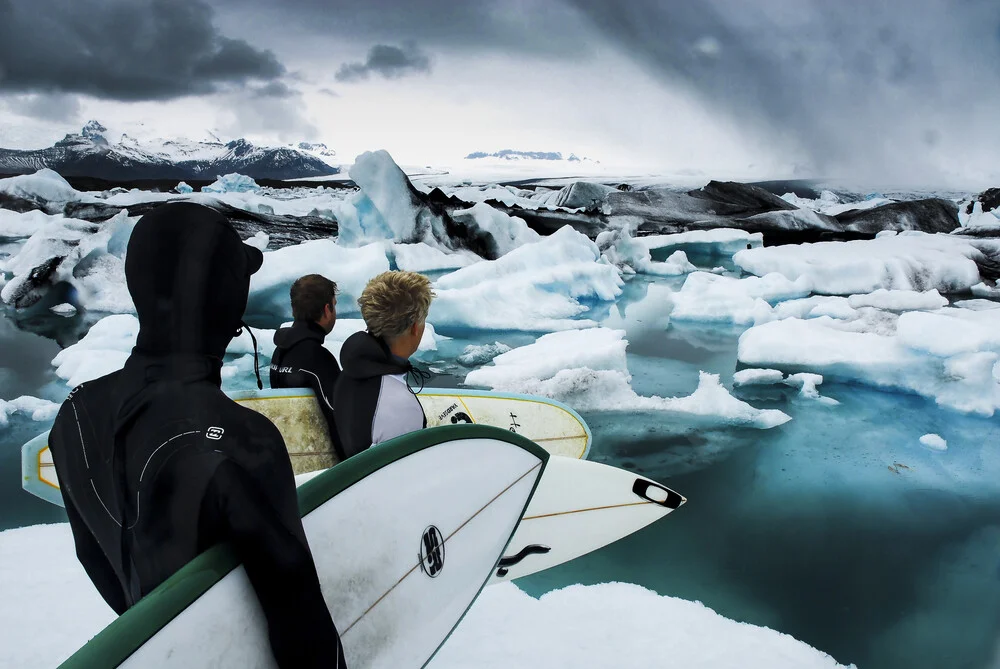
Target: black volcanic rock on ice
(89, 153)
(929, 215)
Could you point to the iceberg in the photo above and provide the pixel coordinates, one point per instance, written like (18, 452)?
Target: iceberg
(423, 257)
(907, 261)
(587, 369)
(183, 188)
(44, 187)
(539, 287)
(104, 349)
(350, 268)
(231, 183)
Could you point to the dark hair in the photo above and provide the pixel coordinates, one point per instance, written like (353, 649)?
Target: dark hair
(309, 295)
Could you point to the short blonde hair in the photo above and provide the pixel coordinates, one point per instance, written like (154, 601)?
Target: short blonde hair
(393, 301)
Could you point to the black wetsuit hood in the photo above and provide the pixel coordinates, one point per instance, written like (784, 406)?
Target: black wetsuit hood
(365, 356)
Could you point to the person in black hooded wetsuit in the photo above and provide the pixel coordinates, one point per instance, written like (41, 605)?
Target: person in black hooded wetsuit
(299, 359)
(373, 401)
(156, 464)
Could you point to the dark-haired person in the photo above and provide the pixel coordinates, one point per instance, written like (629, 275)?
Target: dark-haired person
(300, 361)
(373, 400)
(157, 465)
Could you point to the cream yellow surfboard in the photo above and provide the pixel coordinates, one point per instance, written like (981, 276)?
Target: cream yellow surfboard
(296, 413)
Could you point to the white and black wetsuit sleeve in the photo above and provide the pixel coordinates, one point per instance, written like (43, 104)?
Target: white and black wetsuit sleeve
(397, 411)
(279, 566)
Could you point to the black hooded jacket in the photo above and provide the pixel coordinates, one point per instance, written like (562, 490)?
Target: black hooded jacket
(372, 400)
(300, 361)
(156, 464)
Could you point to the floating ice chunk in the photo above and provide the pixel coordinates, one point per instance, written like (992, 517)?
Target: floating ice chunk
(950, 355)
(259, 241)
(983, 290)
(33, 407)
(507, 232)
(710, 297)
(717, 241)
(15, 225)
(909, 261)
(44, 186)
(806, 383)
(980, 219)
(242, 344)
(232, 183)
(934, 442)
(102, 350)
(350, 268)
(757, 377)
(587, 370)
(899, 300)
(183, 188)
(425, 258)
(537, 287)
(977, 305)
(631, 256)
(64, 309)
(475, 355)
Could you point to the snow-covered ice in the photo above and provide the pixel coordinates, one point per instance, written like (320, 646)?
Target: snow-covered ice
(951, 355)
(52, 609)
(907, 261)
(423, 257)
(540, 286)
(33, 407)
(63, 309)
(899, 300)
(934, 442)
(102, 350)
(587, 370)
(259, 241)
(475, 355)
(757, 377)
(714, 298)
(183, 188)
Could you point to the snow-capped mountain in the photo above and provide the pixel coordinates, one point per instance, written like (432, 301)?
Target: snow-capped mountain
(89, 153)
(512, 155)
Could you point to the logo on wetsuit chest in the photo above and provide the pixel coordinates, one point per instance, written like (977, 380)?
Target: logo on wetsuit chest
(282, 370)
(432, 552)
(214, 433)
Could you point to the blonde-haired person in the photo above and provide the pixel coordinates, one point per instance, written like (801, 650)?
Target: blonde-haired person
(372, 400)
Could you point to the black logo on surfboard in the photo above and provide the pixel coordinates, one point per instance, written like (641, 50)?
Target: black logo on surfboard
(432, 552)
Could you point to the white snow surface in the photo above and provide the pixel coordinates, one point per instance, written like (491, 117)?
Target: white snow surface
(102, 350)
(51, 608)
(950, 355)
(899, 300)
(33, 407)
(350, 268)
(908, 261)
(259, 241)
(64, 309)
(979, 218)
(537, 287)
(934, 442)
(587, 370)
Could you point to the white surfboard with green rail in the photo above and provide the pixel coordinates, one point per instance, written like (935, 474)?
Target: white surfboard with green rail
(404, 537)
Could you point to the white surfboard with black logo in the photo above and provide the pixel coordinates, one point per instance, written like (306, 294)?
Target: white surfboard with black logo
(404, 537)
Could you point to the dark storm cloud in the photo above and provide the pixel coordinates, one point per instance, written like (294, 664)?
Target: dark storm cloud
(275, 89)
(125, 50)
(843, 80)
(391, 62)
(56, 107)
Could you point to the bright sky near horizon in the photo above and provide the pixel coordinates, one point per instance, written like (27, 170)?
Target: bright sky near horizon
(894, 92)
